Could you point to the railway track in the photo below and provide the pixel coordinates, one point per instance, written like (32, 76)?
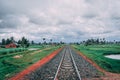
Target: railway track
(66, 65)
(67, 69)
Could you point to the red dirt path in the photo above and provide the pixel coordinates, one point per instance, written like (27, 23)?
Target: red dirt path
(107, 76)
(33, 67)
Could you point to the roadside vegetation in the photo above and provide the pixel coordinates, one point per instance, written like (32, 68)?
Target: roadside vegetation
(15, 59)
(12, 64)
(96, 51)
(9, 51)
(23, 42)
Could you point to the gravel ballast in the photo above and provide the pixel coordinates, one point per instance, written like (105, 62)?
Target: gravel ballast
(48, 71)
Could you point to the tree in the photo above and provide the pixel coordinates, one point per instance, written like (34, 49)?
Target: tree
(32, 42)
(104, 41)
(51, 41)
(24, 42)
(39, 43)
(19, 41)
(8, 41)
(12, 39)
(3, 41)
(44, 40)
(61, 42)
(97, 41)
(27, 43)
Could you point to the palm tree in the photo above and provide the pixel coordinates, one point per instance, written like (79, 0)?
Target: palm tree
(51, 41)
(12, 39)
(44, 40)
(3, 41)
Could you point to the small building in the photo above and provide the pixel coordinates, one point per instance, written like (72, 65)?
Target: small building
(11, 45)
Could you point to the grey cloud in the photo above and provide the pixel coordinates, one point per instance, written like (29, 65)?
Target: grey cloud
(10, 21)
(89, 1)
(64, 22)
(107, 32)
(114, 17)
(40, 21)
(96, 17)
(89, 15)
(37, 21)
(104, 32)
(1, 32)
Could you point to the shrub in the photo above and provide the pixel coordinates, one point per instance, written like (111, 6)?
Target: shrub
(12, 50)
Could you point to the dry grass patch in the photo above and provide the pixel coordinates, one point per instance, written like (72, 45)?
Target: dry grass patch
(17, 56)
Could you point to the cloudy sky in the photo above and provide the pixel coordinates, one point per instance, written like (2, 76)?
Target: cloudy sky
(61, 20)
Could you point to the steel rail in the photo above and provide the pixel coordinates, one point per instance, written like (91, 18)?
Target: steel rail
(59, 65)
(75, 65)
(73, 61)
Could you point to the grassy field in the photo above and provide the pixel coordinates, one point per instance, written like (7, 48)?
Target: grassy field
(10, 51)
(39, 46)
(10, 64)
(97, 53)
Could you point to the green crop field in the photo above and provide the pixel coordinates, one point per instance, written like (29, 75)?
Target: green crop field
(97, 54)
(10, 51)
(36, 46)
(10, 64)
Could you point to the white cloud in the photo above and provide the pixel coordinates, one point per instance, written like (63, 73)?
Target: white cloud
(68, 20)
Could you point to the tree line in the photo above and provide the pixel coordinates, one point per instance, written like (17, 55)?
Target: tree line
(23, 42)
(50, 42)
(97, 41)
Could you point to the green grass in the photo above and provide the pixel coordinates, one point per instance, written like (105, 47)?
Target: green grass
(97, 53)
(9, 66)
(36, 46)
(39, 46)
(11, 50)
